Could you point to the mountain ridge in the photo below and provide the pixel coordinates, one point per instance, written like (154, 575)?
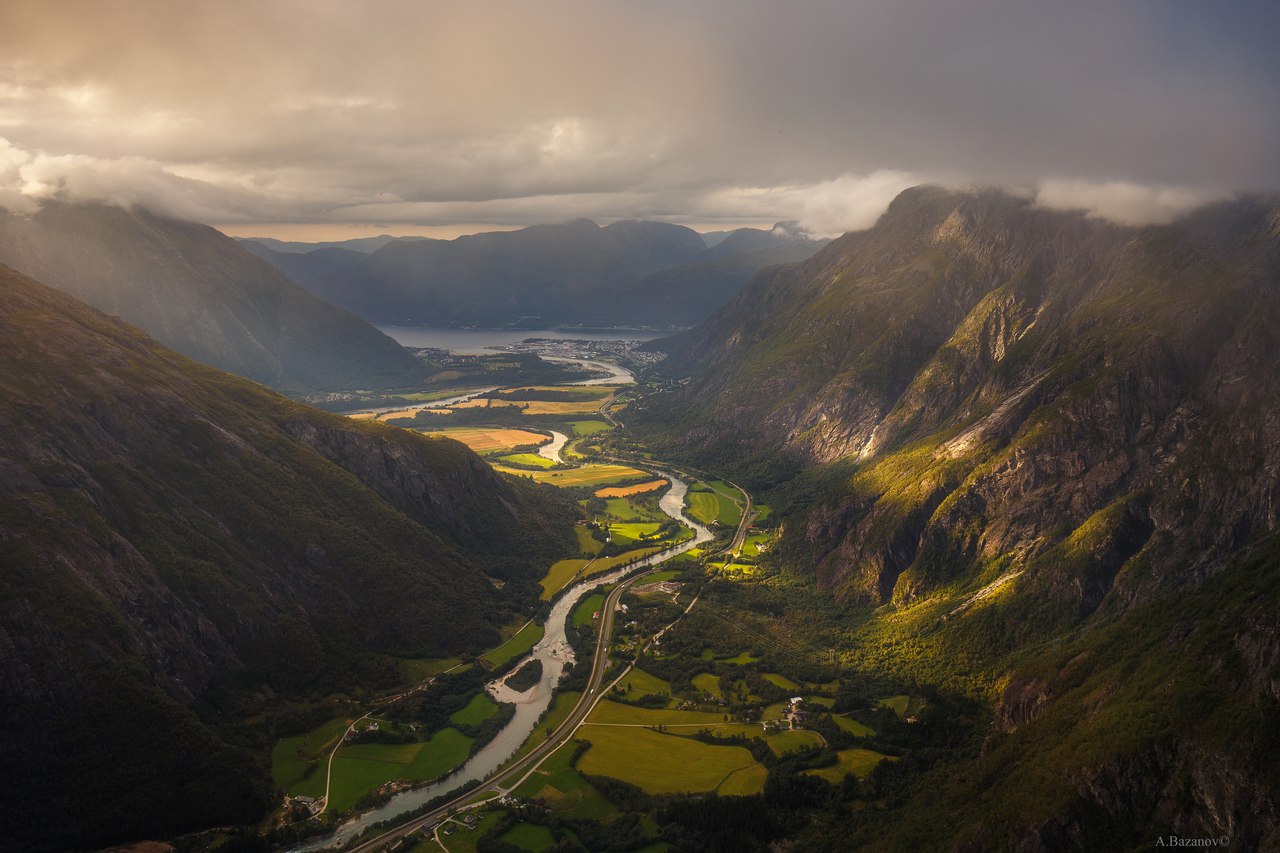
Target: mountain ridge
(634, 273)
(202, 293)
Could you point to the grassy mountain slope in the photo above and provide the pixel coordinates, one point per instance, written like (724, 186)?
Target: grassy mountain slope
(1038, 453)
(184, 550)
(203, 294)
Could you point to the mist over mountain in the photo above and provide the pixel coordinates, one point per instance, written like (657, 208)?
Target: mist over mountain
(625, 274)
(365, 245)
(203, 294)
(185, 551)
(1045, 447)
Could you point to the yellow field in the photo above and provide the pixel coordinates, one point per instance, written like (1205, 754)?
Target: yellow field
(559, 575)
(408, 412)
(627, 491)
(664, 764)
(585, 476)
(535, 407)
(615, 713)
(485, 440)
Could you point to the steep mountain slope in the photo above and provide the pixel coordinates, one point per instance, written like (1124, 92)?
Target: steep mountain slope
(687, 294)
(1001, 374)
(626, 274)
(184, 550)
(201, 293)
(1040, 455)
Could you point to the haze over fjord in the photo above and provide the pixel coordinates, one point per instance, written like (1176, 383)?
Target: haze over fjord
(438, 119)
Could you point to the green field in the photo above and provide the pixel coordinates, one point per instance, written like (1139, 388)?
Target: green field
(774, 711)
(464, 840)
(739, 659)
(298, 763)
(859, 762)
(475, 712)
(664, 764)
(364, 767)
(640, 683)
(819, 701)
(712, 505)
(586, 542)
(781, 681)
(630, 532)
(743, 782)
(898, 704)
(589, 605)
(852, 726)
(614, 712)
(755, 544)
(609, 563)
(564, 789)
(559, 576)
(784, 742)
(589, 427)
(524, 640)
(531, 460)
(420, 669)
(624, 509)
(529, 836)
(707, 683)
(725, 730)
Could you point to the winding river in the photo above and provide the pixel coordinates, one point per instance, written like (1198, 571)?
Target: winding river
(555, 653)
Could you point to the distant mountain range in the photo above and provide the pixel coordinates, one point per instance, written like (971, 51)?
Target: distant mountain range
(358, 244)
(1040, 452)
(203, 294)
(636, 274)
(186, 555)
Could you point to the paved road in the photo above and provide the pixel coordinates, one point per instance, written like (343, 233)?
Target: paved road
(511, 777)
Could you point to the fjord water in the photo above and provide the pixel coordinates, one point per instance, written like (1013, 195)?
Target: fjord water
(482, 341)
(555, 653)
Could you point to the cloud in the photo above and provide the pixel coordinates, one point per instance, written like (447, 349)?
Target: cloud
(1123, 202)
(12, 160)
(517, 113)
(827, 208)
(27, 178)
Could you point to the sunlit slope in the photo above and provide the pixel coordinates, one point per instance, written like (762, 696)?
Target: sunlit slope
(988, 386)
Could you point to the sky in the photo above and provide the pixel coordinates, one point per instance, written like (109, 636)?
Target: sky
(330, 118)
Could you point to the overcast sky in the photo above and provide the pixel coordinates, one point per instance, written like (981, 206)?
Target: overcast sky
(462, 116)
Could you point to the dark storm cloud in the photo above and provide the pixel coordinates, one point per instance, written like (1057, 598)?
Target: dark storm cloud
(520, 112)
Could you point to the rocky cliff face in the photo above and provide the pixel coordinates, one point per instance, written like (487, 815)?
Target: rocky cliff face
(1017, 389)
(183, 550)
